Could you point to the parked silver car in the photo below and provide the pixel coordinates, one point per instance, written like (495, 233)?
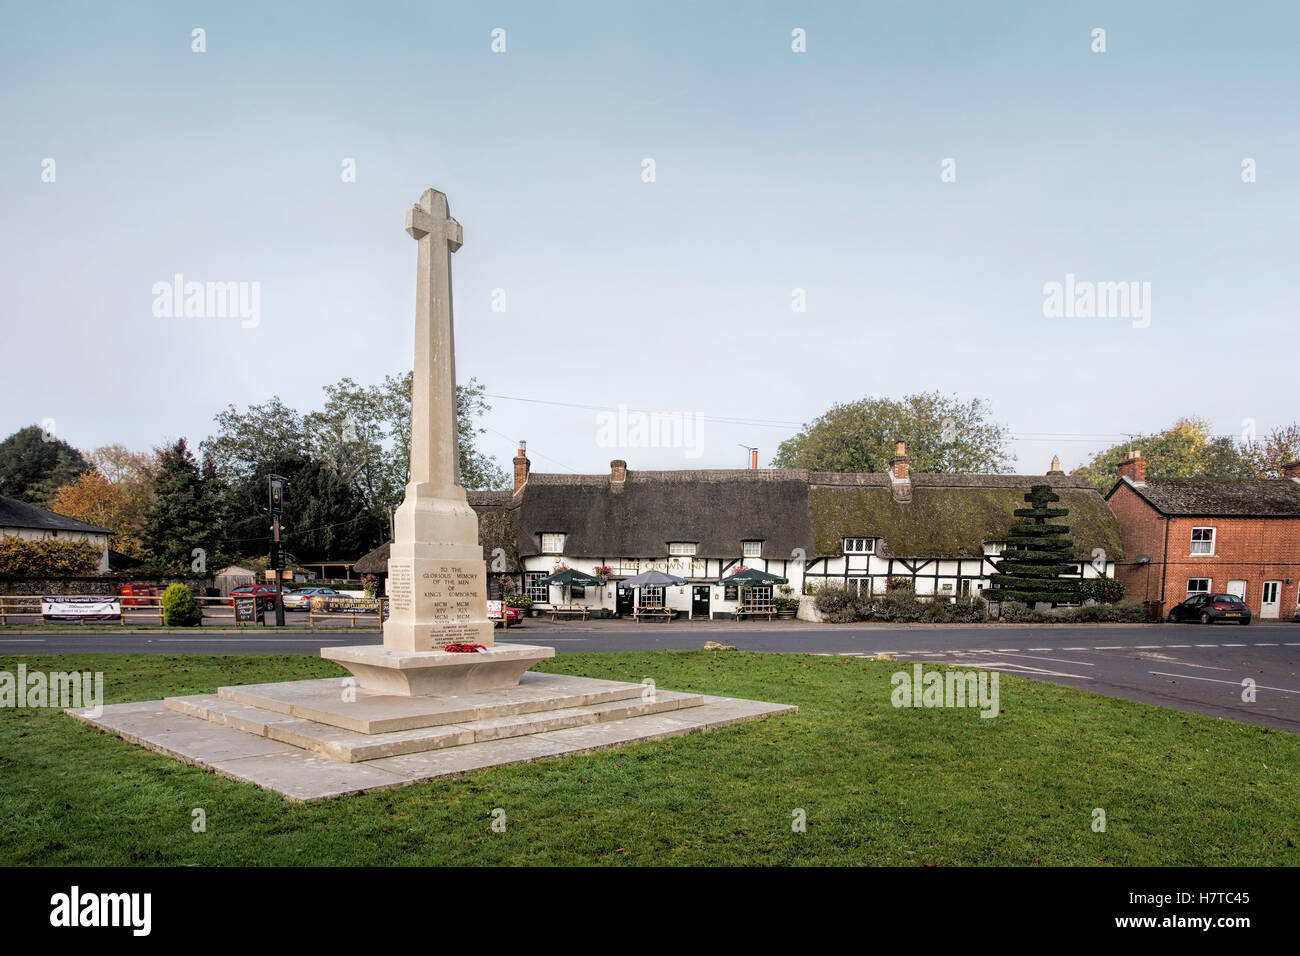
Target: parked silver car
(300, 600)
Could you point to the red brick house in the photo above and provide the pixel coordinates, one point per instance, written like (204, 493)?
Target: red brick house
(1188, 535)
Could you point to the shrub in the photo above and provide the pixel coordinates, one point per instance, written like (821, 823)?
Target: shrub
(1101, 590)
(179, 607)
(1120, 612)
(838, 604)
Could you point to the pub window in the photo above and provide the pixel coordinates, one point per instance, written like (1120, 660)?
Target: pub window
(730, 592)
(686, 548)
(552, 543)
(760, 594)
(1203, 541)
(539, 593)
(859, 545)
(577, 591)
(751, 549)
(652, 596)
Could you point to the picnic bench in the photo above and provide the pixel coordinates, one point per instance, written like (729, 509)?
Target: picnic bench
(570, 610)
(653, 611)
(754, 610)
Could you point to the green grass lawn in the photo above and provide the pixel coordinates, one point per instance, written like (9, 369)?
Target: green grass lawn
(879, 785)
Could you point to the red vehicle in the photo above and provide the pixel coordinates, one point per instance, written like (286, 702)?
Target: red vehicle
(265, 591)
(513, 614)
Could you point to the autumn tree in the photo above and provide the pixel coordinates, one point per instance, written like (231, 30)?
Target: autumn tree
(94, 499)
(1265, 458)
(943, 434)
(1187, 449)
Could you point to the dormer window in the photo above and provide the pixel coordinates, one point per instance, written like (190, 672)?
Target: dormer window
(553, 543)
(859, 545)
(683, 549)
(751, 549)
(993, 548)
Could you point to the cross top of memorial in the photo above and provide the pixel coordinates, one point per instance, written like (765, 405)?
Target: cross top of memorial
(430, 217)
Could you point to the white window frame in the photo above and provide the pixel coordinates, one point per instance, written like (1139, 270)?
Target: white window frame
(994, 548)
(539, 594)
(858, 545)
(682, 549)
(751, 549)
(1213, 540)
(1209, 585)
(553, 542)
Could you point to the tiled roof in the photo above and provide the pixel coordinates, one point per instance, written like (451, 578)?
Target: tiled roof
(19, 514)
(1257, 498)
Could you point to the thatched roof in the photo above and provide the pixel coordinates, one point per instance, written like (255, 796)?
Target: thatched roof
(951, 515)
(1214, 498)
(948, 516)
(637, 518)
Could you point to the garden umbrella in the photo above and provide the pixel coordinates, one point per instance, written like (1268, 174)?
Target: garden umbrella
(569, 577)
(751, 577)
(653, 579)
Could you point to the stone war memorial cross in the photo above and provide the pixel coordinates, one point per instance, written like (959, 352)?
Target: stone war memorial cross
(437, 577)
(439, 697)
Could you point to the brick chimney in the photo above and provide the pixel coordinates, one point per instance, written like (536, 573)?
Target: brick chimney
(1292, 470)
(1056, 467)
(522, 464)
(898, 464)
(1133, 467)
(618, 471)
(900, 482)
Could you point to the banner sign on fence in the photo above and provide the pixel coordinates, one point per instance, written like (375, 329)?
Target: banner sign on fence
(62, 608)
(343, 604)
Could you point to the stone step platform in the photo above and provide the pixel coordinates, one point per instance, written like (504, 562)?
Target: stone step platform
(351, 746)
(301, 774)
(332, 701)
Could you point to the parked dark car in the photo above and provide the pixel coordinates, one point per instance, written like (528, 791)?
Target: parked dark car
(265, 591)
(1208, 608)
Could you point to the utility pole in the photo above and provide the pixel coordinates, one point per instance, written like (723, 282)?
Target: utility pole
(275, 499)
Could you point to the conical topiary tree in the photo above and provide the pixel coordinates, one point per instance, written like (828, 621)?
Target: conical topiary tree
(1036, 556)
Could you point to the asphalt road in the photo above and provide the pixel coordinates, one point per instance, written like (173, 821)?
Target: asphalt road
(1186, 666)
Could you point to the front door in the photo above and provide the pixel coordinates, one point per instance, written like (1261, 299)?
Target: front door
(1270, 598)
(623, 604)
(700, 600)
(1237, 588)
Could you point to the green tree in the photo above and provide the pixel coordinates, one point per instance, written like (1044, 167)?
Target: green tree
(324, 518)
(1186, 449)
(246, 441)
(1036, 556)
(185, 514)
(34, 466)
(943, 435)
